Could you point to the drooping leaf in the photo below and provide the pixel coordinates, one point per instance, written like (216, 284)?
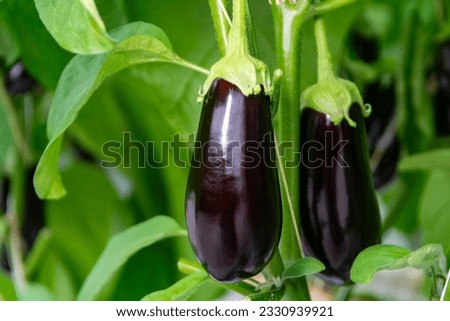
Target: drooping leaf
(432, 160)
(138, 43)
(180, 291)
(392, 257)
(122, 246)
(76, 25)
(302, 267)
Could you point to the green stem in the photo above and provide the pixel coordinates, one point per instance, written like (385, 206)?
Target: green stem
(289, 20)
(238, 43)
(276, 266)
(324, 63)
(251, 33)
(328, 6)
(191, 66)
(14, 125)
(222, 23)
(13, 217)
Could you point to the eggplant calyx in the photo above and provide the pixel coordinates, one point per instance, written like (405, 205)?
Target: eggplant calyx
(334, 97)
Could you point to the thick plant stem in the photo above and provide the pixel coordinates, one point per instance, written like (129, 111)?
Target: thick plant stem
(324, 65)
(289, 20)
(221, 22)
(238, 43)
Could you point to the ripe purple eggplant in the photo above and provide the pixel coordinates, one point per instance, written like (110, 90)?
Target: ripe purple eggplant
(233, 202)
(18, 81)
(442, 95)
(338, 207)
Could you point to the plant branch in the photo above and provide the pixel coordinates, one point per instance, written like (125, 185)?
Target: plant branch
(16, 252)
(324, 64)
(222, 23)
(325, 7)
(289, 20)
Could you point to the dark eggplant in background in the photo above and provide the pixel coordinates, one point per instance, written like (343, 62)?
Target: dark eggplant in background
(384, 145)
(18, 81)
(233, 202)
(442, 94)
(339, 211)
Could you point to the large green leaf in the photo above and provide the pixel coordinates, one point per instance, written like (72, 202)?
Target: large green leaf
(432, 160)
(180, 291)
(75, 24)
(122, 246)
(392, 257)
(138, 43)
(302, 267)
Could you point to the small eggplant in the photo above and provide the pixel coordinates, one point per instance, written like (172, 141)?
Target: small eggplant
(442, 95)
(233, 202)
(338, 207)
(18, 81)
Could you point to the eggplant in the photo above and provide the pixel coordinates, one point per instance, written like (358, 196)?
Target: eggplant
(18, 81)
(442, 95)
(339, 211)
(384, 145)
(365, 48)
(233, 202)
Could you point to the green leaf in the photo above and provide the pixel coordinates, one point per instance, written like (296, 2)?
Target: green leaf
(303, 267)
(76, 25)
(38, 252)
(138, 43)
(121, 247)
(434, 210)
(7, 290)
(432, 160)
(6, 138)
(36, 292)
(180, 291)
(392, 257)
(275, 295)
(42, 56)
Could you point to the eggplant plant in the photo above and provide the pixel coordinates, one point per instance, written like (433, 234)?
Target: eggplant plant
(172, 150)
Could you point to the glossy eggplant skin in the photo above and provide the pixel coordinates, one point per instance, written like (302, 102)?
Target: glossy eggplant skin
(18, 81)
(384, 145)
(233, 202)
(339, 211)
(442, 95)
